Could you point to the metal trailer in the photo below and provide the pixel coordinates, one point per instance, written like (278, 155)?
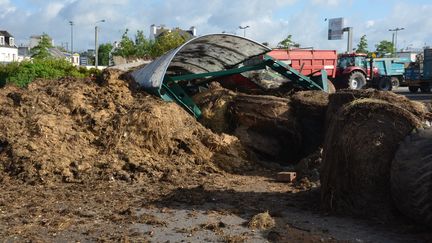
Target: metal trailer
(393, 68)
(308, 62)
(207, 57)
(419, 75)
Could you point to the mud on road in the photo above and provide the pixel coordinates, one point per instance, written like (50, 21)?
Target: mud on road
(216, 208)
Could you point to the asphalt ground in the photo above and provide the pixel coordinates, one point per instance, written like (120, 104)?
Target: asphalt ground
(418, 96)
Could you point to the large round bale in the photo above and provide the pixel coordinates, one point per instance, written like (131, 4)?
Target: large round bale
(342, 97)
(310, 110)
(268, 126)
(359, 146)
(411, 176)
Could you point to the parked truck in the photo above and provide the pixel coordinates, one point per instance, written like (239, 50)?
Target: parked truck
(418, 75)
(356, 70)
(394, 68)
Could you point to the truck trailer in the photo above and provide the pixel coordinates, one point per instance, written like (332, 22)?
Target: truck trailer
(418, 75)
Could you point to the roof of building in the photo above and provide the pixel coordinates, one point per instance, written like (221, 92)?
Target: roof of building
(5, 33)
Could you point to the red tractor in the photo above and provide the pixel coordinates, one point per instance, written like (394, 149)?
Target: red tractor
(354, 72)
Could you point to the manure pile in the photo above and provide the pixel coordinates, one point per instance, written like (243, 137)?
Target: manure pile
(77, 129)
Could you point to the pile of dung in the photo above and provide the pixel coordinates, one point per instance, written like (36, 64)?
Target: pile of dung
(362, 137)
(274, 129)
(262, 221)
(78, 129)
(266, 125)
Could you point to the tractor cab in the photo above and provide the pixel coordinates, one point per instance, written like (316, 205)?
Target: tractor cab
(352, 60)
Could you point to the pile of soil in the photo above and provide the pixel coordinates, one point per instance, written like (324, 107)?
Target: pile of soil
(77, 129)
(364, 130)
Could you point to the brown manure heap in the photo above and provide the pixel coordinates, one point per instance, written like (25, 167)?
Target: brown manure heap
(73, 130)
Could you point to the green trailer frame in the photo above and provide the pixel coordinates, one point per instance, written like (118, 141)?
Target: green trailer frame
(172, 91)
(207, 57)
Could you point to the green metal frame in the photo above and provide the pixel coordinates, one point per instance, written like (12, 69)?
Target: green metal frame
(172, 91)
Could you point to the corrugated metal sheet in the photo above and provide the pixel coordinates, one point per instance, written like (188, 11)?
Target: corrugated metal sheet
(208, 53)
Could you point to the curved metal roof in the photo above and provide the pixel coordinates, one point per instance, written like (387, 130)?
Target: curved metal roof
(207, 53)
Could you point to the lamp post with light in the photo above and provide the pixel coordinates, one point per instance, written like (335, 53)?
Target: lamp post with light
(394, 37)
(71, 24)
(244, 29)
(96, 43)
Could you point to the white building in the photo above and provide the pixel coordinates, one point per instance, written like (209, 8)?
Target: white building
(156, 31)
(410, 55)
(35, 39)
(8, 49)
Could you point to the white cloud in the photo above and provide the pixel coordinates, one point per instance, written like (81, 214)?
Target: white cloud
(328, 2)
(269, 21)
(6, 8)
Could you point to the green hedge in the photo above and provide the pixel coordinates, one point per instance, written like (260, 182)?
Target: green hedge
(23, 73)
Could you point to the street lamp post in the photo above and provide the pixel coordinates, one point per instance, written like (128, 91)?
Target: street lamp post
(394, 37)
(96, 43)
(244, 29)
(71, 24)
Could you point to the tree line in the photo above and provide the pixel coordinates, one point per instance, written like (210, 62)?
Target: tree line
(383, 48)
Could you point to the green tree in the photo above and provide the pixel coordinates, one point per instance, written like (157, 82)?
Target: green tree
(362, 46)
(288, 43)
(143, 46)
(41, 50)
(103, 54)
(384, 48)
(126, 46)
(166, 42)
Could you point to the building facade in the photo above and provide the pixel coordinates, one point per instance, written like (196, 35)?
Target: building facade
(8, 49)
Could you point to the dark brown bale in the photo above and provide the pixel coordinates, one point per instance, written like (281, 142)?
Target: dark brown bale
(310, 111)
(359, 146)
(268, 126)
(342, 97)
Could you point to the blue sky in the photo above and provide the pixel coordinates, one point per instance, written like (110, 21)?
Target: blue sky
(269, 21)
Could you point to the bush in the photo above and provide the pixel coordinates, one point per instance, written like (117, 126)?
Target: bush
(21, 74)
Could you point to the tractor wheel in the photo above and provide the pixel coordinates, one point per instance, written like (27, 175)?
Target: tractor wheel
(425, 89)
(385, 84)
(356, 80)
(395, 82)
(413, 89)
(411, 176)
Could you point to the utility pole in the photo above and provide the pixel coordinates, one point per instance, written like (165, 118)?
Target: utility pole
(394, 37)
(71, 24)
(96, 43)
(244, 29)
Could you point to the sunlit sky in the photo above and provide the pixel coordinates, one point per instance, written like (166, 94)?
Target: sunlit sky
(269, 21)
